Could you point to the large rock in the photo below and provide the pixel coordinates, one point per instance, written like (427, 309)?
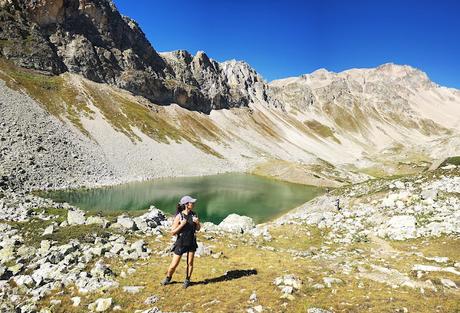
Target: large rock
(237, 224)
(150, 220)
(126, 222)
(76, 217)
(93, 39)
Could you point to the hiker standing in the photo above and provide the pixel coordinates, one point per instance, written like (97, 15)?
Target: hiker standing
(185, 224)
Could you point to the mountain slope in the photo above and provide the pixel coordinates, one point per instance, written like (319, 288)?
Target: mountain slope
(94, 70)
(93, 39)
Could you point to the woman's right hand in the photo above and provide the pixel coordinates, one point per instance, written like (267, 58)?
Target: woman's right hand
(183, 222)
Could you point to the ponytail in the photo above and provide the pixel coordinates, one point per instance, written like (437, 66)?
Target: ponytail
(180, 208)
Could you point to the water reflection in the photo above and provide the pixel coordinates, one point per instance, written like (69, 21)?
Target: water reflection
(218, 196)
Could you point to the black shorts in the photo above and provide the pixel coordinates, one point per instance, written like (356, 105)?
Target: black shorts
(178, 250)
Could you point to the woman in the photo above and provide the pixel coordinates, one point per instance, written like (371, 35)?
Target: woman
(185, 224)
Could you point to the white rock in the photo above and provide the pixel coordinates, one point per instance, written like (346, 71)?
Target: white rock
(24, 280)
(429, 194)
(317, 310)
(75, 301)
(202, 250)
(48, 230)
(151, 300)
(328, 281)
(287, 289)
(96, 220)
(237, 224)
(100, 305)
(448, 283)
(253, 297)
(76, 217)
(132, 289)
(126, 222)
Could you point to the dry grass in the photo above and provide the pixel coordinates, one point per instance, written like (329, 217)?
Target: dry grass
(214, 291)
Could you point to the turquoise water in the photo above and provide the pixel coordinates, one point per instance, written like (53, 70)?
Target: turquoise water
(218, 195)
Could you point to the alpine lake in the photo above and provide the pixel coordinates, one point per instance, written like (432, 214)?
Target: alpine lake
(260, 198)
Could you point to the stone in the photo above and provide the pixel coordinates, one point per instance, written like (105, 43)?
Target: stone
(256, 309)
(253, 297)
(101, 270)
(287, 296)
(318, 286)
(7, 254)
(202, 250)
(24, 280)
(76, 217)
(328, 281)
(126, 222)
(48, 230)
(151, 310)
(429, 194)
(209, 227)
(100, 305)
(96, 220)
(16, 268)
(287, 289)
(151, 300)
(132, 289)
(237, 224)
(448, 283)
(139, 246)
(75, 301)
(317, 310)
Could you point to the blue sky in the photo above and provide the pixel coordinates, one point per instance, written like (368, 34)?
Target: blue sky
(290, 38)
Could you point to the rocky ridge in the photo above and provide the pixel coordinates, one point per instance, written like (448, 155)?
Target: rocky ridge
(93, 39)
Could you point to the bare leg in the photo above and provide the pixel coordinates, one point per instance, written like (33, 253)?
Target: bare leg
(173, 265)
(190, 263)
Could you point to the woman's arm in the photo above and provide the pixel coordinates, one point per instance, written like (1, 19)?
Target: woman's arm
(177, 225)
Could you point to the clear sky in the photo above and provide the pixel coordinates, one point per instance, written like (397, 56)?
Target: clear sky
(289, 38)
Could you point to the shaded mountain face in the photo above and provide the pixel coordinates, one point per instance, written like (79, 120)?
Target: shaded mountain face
(91, 38)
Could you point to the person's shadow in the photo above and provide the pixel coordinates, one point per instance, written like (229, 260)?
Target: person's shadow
(230, 275)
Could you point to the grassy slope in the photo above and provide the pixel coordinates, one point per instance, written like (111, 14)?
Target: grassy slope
(65, 101)
(270, 260)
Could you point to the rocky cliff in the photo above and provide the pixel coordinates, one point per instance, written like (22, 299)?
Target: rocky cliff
(91, 38)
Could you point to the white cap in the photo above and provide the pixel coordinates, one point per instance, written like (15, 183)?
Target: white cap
(186, 199)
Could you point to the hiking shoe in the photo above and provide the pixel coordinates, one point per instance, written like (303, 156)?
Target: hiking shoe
(186, 283)
(166, 281)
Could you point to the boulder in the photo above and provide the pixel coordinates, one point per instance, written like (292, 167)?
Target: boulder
(126, 222)
(237, 224)
(76, 217)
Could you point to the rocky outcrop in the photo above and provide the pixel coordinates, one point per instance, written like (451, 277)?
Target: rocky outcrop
(93, 39)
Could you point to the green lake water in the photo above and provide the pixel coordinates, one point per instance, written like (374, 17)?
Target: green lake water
(218, 196)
